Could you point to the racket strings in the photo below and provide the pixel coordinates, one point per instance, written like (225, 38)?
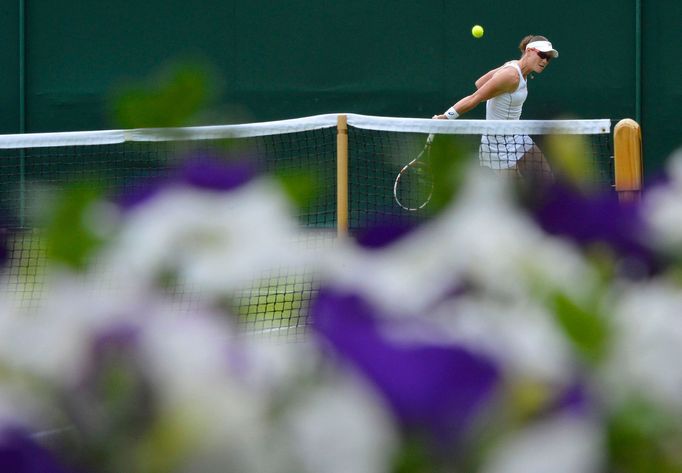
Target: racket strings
(413, 186)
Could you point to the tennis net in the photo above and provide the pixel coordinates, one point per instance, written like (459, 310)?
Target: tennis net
(353, 159)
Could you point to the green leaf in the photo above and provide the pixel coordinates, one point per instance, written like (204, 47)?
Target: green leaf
(585, 328)
(69, 238)
(449, 163)
(643, 439)
(164, 446)
(301, 187)
(170, 99)
(413, 457)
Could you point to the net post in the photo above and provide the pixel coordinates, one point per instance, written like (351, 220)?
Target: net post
(627, 144)
(342, 175)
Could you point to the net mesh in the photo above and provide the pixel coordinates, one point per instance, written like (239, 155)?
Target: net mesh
(379, 149)
(391, 171)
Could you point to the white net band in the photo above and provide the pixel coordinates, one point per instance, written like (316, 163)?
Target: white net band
(413, 125)
(481, 127)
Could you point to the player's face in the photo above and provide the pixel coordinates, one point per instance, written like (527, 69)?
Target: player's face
(539, 60)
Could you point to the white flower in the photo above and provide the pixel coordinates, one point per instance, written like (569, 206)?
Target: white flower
(404, 278)
(198, 368)
(237, 420)
(562, 444)
(521, 335)
(20, 406)
(647, 344)
(663, 211)
(674, 166)
(340, 427)
(274, 369)
(185, 355)
(54, 340)
(503, 250)
(482, 238)
(213, 241)
(662, 207)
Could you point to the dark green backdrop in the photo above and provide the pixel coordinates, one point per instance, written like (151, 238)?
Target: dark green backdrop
(303, 57)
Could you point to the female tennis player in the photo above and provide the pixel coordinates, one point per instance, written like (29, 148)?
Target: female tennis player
(505, 90)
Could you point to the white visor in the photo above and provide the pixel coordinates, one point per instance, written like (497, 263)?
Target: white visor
(544, 46)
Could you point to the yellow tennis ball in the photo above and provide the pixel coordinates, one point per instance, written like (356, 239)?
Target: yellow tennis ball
(477, 31)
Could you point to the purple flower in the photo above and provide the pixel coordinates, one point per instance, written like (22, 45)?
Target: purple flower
(431, 387)
(595, 219)
(121, 337)
(210, 172)
(575, 398)
(202, 171)
(19, 453)
(384, 234)
(117, 346)
(94, 408)
(140, 192)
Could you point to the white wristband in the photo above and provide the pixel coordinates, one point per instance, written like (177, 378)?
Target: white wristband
(451, 113)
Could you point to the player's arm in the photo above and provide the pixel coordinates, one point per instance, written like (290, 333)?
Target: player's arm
(504, 80)
(485, 78)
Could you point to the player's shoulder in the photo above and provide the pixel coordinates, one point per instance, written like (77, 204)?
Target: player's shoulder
(509, 67)
(508, 73)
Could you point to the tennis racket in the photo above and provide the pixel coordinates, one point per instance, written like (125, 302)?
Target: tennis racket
(413, 187)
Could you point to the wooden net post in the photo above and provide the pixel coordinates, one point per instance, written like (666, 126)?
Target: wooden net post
(627, 144)
(342, 176)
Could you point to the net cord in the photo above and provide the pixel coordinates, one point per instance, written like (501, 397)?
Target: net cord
(397, 124)
(481, 127)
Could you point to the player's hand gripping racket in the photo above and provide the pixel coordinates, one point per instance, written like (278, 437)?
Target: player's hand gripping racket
(413, 187)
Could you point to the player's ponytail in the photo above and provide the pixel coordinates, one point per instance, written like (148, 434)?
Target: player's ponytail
(528, 39)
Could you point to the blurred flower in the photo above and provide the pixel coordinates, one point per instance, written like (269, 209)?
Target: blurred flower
(205, 171)
(596, 218)
(481, 240)
(662, 208)
(485, 339)
(215, 241)
(134, 378)
(200, 170)
(563, 444)
(521, 336)
(340, 426)
(61, 329)
(431, 387)
(644, 359)
(385, 233)
(21, 454)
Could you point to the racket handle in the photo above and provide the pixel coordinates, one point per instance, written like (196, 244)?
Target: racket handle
(429, 139)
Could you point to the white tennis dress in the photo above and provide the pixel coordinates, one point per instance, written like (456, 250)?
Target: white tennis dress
(503, 151)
